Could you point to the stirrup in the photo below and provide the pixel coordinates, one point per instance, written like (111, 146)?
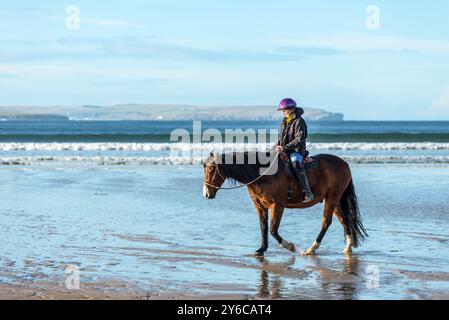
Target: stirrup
(309, 198)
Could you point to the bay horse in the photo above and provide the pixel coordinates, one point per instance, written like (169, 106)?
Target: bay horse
(330, 181)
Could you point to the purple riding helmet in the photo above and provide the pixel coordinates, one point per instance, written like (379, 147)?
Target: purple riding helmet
(287, 103)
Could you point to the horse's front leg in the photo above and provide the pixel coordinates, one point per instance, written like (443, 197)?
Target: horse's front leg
(263, 220)
(276, 212)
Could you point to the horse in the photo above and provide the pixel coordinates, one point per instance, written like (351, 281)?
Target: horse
(330, 181)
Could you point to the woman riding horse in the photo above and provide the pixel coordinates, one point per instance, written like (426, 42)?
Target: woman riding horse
(330, 180)
(292, 140)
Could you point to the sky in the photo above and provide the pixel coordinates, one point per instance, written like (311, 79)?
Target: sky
(371, 60)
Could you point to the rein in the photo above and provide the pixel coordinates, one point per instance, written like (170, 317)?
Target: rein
(241, 186)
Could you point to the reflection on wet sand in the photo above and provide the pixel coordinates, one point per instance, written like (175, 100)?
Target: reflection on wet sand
(269, 289)
(351, 266)
(272, 288)
(341, 282)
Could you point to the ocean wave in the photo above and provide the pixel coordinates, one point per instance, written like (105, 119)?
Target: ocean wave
(100, 160)
(146, 147)
(75, 132)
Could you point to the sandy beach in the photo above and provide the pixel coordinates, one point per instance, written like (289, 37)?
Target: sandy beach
(122, 230)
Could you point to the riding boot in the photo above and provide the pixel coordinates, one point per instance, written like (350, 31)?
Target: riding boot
(303, 182)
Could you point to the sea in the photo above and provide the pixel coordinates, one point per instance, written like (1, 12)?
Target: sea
(159, 142)
(122, 201)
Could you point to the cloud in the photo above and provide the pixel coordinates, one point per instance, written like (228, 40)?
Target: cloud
(108, 82)
(356, 42)
(29, 8)
(106, 22)
(151, 47)
(102, 22)
(7, 75)
(441, 104)
(21, 9)
(75, 48)
(97, 74)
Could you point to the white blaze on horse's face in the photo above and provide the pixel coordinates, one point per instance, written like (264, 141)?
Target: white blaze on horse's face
(205, 192)
(206, 173)
(208, 191)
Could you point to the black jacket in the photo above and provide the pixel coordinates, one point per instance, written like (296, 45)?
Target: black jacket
(292, 136)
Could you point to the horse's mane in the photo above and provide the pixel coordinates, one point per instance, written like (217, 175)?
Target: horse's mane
(245, 166)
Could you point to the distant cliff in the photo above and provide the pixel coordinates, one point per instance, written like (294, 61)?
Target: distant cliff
(34, 117)
(157, 112)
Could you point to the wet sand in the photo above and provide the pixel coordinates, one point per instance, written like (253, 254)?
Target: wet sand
(321, 277)
(147, 233)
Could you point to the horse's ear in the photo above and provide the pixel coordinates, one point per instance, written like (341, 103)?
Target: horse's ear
(211, 154)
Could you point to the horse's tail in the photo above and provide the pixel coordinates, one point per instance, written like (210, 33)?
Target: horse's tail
(350, 207)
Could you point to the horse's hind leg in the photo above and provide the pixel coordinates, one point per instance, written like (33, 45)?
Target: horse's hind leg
(276, 212)
(327, 221)
(345, 223)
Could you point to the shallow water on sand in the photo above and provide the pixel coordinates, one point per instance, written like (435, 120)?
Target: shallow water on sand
(152, 227)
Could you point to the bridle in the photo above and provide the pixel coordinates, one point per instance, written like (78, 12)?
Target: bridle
(216, 171)
(224, 178)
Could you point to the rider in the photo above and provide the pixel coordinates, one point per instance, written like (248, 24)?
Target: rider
(292, 140)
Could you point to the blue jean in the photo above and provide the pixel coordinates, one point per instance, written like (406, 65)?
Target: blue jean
(296, 156)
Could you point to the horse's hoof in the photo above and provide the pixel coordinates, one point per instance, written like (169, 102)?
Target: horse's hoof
(289, 246)
(309, 252)
(259, 253)
(347, 251)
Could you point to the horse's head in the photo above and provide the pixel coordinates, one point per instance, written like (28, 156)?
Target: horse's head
(213, 176)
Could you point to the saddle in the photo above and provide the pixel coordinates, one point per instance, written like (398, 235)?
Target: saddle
(308, 163)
